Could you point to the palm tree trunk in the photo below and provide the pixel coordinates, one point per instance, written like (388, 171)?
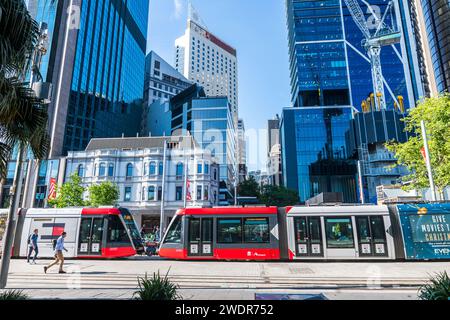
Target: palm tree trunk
(10, 224)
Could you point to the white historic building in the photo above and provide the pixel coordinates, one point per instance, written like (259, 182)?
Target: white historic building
(150, 174)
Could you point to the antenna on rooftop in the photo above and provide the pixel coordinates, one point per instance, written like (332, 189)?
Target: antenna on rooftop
(194, 15)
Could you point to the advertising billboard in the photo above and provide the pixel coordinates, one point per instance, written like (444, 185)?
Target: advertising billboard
(426, 230)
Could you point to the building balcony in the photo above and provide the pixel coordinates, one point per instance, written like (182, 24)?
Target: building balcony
(385, 157)
(384, 171)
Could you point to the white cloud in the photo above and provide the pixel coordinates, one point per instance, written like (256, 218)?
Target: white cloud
(178, 4)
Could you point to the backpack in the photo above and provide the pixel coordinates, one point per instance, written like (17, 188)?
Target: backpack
(29, 239)
(54, 243)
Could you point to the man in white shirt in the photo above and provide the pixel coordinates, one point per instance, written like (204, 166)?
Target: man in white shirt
(59, 257)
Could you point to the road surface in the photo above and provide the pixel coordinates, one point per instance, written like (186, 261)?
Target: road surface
(117, 279)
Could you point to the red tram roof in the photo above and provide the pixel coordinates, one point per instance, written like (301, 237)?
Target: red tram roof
(227, 210)
(100, 211)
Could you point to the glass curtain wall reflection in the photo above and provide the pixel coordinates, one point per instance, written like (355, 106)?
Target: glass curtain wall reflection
(108, 72)
(316, 156)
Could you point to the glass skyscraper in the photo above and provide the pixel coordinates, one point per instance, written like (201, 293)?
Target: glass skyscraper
(437, 22)
(330, 77)
(210, 121)
(329, 65)
(98, 71)
(315, 156)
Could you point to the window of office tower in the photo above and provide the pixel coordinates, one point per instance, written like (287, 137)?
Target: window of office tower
(317, 20)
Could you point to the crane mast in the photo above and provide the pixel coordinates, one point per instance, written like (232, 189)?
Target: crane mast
(384, 35)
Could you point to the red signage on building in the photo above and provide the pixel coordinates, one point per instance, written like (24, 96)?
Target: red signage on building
(52, 189)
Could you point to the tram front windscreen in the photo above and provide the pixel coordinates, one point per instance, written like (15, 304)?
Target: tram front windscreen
(132, 228)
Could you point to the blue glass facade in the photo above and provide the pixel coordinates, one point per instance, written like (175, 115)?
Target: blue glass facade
(108, 72)
(437, 20)
(45, 11)
(329, 65)
(315, 151)
(210, 121)
(330, 77)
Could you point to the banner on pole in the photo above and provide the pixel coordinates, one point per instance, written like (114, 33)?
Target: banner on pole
(52, 189)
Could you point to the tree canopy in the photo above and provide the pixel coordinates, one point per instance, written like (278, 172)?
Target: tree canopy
(70, 194)
(268, 194)
(248, 188)
(436, 114)
(23, 116)
(103, 194)
(278, 196)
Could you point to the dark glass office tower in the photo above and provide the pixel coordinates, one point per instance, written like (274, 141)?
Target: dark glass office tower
(437, 22)
(99, 71)
(315, 155)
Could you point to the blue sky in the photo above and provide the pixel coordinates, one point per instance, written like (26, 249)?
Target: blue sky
(256, 28)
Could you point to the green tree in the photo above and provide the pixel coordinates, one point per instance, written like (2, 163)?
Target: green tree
(248, 188)
(104, 194)
(278, 196)
(436, 114)
(23, 117)
(70, 194)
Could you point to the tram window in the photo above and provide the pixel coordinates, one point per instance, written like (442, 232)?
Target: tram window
(229, 231)
(378, 232)
(300, 224)
(174, 233)
(194, 230)
(256, 230)
(116, 230)
(339, 233)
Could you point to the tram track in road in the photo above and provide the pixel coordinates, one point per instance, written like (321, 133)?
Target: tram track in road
(129, 281)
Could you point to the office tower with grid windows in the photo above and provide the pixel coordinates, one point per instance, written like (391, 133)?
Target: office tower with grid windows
(207, 60)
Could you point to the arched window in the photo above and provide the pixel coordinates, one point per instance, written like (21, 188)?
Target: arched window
(152, 168)
(129, 170)
(151, 193)
(161, 169)
(145, 169)
(80, 170)
(180, 169)
(110, 170)
(102, 171)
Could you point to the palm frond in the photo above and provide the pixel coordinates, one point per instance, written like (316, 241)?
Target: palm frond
(18, 34)
(23, 117)
(5, 154)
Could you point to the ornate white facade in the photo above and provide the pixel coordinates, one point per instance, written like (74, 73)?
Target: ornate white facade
(137, 166)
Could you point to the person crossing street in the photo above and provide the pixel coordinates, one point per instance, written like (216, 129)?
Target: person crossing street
(33, 246)
(59, 257)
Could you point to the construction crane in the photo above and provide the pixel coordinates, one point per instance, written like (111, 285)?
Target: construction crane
(384, 35)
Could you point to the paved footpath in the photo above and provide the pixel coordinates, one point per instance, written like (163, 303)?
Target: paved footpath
(95, 279)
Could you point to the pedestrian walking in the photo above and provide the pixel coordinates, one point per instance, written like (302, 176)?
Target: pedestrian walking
(33, 246)
(59, 257)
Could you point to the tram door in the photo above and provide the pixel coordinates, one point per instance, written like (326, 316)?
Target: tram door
(308, 237)
(200, 237)
(91, 236)
(371, 236)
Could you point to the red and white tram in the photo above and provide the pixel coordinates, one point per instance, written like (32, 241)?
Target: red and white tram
(91, 232)
(292, 233)
(222, 234)
(340, 233)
